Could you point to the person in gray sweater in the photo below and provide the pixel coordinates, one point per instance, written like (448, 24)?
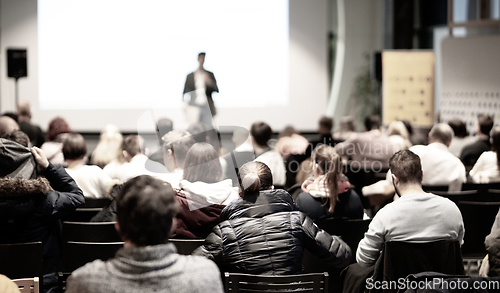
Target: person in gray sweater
(147, 262)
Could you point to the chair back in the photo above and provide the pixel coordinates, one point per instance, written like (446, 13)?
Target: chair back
(481, 187)
(90, 232)
(82, 214)
(434, 188)
(28, 285)
(478, 218)
(21, 260)
(234, 282)
(95, 202)
(186, 246)
(351, 231)
(400, 259)
(77, 254)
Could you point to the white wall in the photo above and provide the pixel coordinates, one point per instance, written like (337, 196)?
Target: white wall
(360, 27)
(308, 92)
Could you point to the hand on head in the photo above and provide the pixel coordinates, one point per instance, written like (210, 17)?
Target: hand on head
(40, 157)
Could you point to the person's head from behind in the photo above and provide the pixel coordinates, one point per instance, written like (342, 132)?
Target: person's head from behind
(57, 126)
(261, 134)
(203, 132)
(484, 123)
(254, 177)
(406, 169)
(325, 125)
(145, 209)
(24, 111)
(176, 144)
(347, 124)
(398, 128)
(202, 164)
(164, 125)
(74, 147)
(7, 124)
(372, 122)
(327, 162)
(441, 133)
(17, 136)
(131, 146)
(287, 131)
(459, 127)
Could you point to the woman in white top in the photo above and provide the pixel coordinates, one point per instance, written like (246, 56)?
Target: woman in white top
(487, 167)
(91, 179)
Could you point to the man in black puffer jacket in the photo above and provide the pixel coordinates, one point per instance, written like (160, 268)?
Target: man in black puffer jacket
(30, 206)
(265, 233)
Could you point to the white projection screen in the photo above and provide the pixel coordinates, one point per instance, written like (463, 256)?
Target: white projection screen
(125, 62)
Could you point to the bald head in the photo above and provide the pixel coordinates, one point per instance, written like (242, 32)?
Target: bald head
(442, 133)
(7, 125)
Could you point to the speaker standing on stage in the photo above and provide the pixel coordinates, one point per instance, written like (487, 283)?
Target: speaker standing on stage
(200, 84)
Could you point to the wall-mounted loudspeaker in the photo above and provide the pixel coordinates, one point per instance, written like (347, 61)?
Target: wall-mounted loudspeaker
(16, 63)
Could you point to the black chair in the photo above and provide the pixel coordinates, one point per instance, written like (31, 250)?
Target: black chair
(399, 259)
(186, 246)
(435, 188)
(95, 202)
(351, 231)
(22, 260)
(82, 214)
(90, 232)
(481, 187)
(77, 254)
(456, 196)
(314, 283)
(478, 218)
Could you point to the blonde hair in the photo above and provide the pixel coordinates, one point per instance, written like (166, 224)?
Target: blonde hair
(329, 163)
(399, 128)
(109, 147)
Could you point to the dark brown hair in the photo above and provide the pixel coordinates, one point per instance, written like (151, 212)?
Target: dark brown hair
(254, 176)
(74, 147)
(485, 123)
(17, 136)
(202, 164)
(57, 126)
(132, 145)
(145, 208)
(406, 166)
(261, 133)
(330, 164)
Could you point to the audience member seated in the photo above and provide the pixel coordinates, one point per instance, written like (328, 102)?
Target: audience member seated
(17, 136)
(487, 167)
(398, 135)
(461, 138)
(91, 179)
(263, 232)
(135, 165)
(291, 143)
(416, 217)
(147, 262)
(242, 153)
(176, 144)
(492, 244)
(328, 196)
(202, 194)
(346, 129)
(325, 126)
(109, 148)
(439, 166)
(370, 150)
(261, 134)
(31, 206)
(471, 152)
(34, 132)
(163, 126)
(7, 124)
(57, 133)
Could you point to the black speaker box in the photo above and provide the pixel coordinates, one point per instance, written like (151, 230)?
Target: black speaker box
(376, 66)
(16, 63)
